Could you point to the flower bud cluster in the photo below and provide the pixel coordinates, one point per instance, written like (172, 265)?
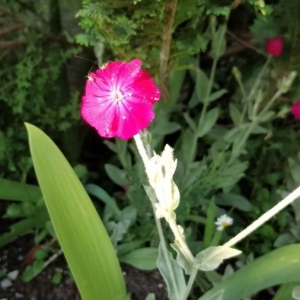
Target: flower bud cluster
(286, 82)
(160, 171)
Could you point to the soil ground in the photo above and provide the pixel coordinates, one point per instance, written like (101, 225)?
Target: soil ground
(138, 283)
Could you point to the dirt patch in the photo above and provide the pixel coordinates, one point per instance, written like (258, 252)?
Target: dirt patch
(139, 283)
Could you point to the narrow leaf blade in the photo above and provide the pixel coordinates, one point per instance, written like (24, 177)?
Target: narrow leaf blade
(82, 236)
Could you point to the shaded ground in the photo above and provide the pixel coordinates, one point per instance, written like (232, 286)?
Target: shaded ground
(138, 283)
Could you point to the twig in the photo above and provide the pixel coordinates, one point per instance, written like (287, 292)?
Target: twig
(11, 44)
(52, 258)
(235, 4)
(245, 43)
(235, 49)
(165, 51)
(11, 29)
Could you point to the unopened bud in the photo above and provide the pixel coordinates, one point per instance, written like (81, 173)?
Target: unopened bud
(286, 82)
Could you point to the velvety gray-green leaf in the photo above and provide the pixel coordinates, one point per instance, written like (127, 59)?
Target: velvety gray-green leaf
(210, 258)
(173, 276)
(143, 258)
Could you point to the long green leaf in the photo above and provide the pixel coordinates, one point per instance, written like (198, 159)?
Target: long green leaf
(279, 266)
(285, 291)
(82, 236)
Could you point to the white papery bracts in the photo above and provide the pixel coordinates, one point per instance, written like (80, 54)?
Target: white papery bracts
(160, 171)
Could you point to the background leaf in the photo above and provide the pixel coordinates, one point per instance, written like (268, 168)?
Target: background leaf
(277, 267)
(143, 258)
(17, 191)
(209, 121)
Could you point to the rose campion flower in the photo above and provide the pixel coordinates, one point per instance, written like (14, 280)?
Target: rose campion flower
(274, 47)
(118, 99)
(295, 110)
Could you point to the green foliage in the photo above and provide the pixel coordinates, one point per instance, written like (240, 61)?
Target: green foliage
(122, 26)
(33, 82)
(276, 267)
(28, 210)
(229, 130)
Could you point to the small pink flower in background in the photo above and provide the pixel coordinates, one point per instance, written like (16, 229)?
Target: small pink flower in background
(118, 99)
(274, 47)
(295, 110)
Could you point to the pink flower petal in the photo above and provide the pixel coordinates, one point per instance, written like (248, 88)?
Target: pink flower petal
(92, 113)
(118, 99)
(134, 118)
(95, 86)
(145, 90)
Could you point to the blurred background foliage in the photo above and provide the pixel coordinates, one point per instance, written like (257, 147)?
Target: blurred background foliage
(206, 57)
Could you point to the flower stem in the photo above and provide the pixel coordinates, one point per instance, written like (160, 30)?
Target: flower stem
(264, 218)
(165, 253)
(190, 283)
(141, 149)
(145, 158)
(216, 239)
(258, 79)
(184, 249)
(209, 88)
(255, 121)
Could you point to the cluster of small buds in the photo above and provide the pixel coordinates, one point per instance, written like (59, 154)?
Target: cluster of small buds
(160, 171)
(285, 84)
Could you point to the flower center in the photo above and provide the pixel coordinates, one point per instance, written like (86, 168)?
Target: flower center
(117, 95)
(224, 224)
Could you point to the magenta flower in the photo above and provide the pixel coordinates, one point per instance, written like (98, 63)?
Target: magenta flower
(118, 99)
(274, 47)
(295, 110)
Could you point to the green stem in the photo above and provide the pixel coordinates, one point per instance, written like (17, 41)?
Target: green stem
(253, 124)
(208, 90)
(258, 79)
(216, 239)
(271, 102)
(190, 283)
(211, 79)
(238, 149)
(254, 89)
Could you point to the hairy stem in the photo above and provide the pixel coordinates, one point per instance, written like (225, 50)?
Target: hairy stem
(265, 217)
(165, 252)
(190, 283)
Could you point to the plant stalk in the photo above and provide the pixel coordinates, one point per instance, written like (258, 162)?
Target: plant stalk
(264, 218)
